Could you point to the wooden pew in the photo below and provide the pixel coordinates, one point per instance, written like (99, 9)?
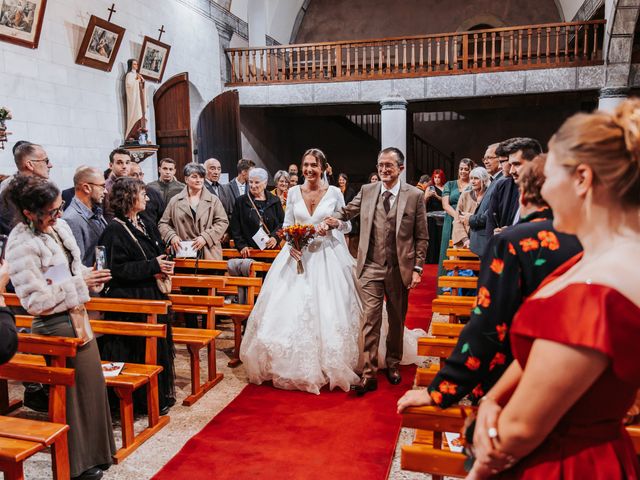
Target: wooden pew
(256, 254)
(133, 377)
(427, 454)
(460, 253)
(446, 337)
(189, 265)
(21, 438)
(22, 368)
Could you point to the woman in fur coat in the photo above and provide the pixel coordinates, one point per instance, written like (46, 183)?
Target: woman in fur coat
(52, 284)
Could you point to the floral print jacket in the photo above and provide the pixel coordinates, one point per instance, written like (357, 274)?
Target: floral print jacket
(516, 262)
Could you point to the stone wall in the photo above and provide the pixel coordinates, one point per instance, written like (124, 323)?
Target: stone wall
(77, 112)
(329, 20)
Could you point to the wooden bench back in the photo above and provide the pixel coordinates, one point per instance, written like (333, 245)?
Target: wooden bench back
(254, 253)
(218, 265)
(198, 281)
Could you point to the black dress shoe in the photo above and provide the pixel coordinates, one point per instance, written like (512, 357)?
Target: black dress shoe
(366, 385)
(92, 474)
(393, 375)
(165, 410)
(104, 466)
(36, 398)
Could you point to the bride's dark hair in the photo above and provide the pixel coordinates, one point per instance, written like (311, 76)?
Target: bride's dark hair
(318, 155)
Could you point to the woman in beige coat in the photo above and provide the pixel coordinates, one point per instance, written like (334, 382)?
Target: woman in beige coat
(195, 214)
(467, 205)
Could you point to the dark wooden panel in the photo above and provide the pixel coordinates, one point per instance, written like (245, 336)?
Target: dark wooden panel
(173, 121)
(218, 131)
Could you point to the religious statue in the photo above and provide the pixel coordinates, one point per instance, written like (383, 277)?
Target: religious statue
(136, 104)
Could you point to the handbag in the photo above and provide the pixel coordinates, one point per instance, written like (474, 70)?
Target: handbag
(81, 324)
(163, 281)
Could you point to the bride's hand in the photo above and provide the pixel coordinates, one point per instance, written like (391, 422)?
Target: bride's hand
(295, 254)
(322, 229)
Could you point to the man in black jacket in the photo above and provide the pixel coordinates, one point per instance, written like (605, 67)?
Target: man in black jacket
(8, 333)
(503, 207)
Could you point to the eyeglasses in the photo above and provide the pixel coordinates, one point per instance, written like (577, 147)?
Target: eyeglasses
(55, 212)
(46, 160)
(489, 158)
(386, 166)
(101, 185)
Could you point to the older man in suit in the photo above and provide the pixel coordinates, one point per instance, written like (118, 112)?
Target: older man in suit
(478, 221)
(391, 253)
(212, 183)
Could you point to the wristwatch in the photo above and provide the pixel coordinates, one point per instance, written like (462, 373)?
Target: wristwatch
(417, 269)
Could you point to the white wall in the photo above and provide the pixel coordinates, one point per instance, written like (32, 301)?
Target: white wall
(77, 112)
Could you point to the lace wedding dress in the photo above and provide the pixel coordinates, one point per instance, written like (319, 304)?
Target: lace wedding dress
(305, 330)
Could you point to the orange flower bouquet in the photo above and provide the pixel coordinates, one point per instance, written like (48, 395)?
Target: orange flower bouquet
(298, 237)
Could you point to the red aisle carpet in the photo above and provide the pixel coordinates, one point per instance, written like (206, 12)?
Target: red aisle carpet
(419, 314)
(268, 433)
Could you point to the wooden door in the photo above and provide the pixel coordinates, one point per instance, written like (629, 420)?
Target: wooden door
(218, 131)
(173, 121)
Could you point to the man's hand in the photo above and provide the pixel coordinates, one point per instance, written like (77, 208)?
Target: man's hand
(245, 252)
(416, 278)
(332, 222)
(414, 398)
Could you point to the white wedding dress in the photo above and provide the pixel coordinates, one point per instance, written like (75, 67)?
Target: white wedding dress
(305, 329)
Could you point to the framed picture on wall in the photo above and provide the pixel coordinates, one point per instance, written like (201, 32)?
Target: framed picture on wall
(100, 44)
(153, 59)
(21, 21)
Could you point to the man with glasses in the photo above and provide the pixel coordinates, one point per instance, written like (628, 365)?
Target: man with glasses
(30, 159)
(391, 253)
(478, 221)
(84, 214)
(155, 204)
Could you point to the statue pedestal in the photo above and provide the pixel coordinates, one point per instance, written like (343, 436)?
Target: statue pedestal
(140, 152)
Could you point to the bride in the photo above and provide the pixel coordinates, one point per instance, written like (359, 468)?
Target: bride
(304, 328)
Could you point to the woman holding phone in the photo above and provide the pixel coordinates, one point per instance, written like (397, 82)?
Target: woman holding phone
(52, 284)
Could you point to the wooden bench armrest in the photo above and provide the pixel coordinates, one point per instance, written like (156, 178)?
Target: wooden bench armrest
(434, 418)
(244, 282)
(198, 281)
(14, 450)
(31, 430)
(48, 345)
(446, 329)
(129, 329)
(197, 300)
(25, 372)
(128, 305)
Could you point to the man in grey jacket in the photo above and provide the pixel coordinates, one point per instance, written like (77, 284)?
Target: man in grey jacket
(84, 215)
(478, 235)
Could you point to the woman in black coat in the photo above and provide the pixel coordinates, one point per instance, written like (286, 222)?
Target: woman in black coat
(8, 333)
(245, 220)
(135, 254)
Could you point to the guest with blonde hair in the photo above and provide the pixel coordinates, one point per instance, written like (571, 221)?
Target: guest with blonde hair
(558, 410)
(468, 204)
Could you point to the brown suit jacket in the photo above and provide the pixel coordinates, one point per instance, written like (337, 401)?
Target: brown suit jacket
(211, 222)
(412, 236)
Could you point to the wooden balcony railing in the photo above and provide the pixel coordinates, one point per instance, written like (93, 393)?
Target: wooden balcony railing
(511, 48)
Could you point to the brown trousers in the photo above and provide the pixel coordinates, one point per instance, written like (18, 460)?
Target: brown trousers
(376, 283)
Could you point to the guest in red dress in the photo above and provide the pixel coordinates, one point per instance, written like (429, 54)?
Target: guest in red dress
(558, 410)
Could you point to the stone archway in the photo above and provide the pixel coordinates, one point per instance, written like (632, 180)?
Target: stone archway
(486, 19)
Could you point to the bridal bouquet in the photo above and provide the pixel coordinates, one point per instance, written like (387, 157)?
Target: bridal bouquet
(298, 237)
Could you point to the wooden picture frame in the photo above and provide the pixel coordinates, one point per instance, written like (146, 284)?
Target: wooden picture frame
(153, 59)
(21, 21)
(100, 44)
